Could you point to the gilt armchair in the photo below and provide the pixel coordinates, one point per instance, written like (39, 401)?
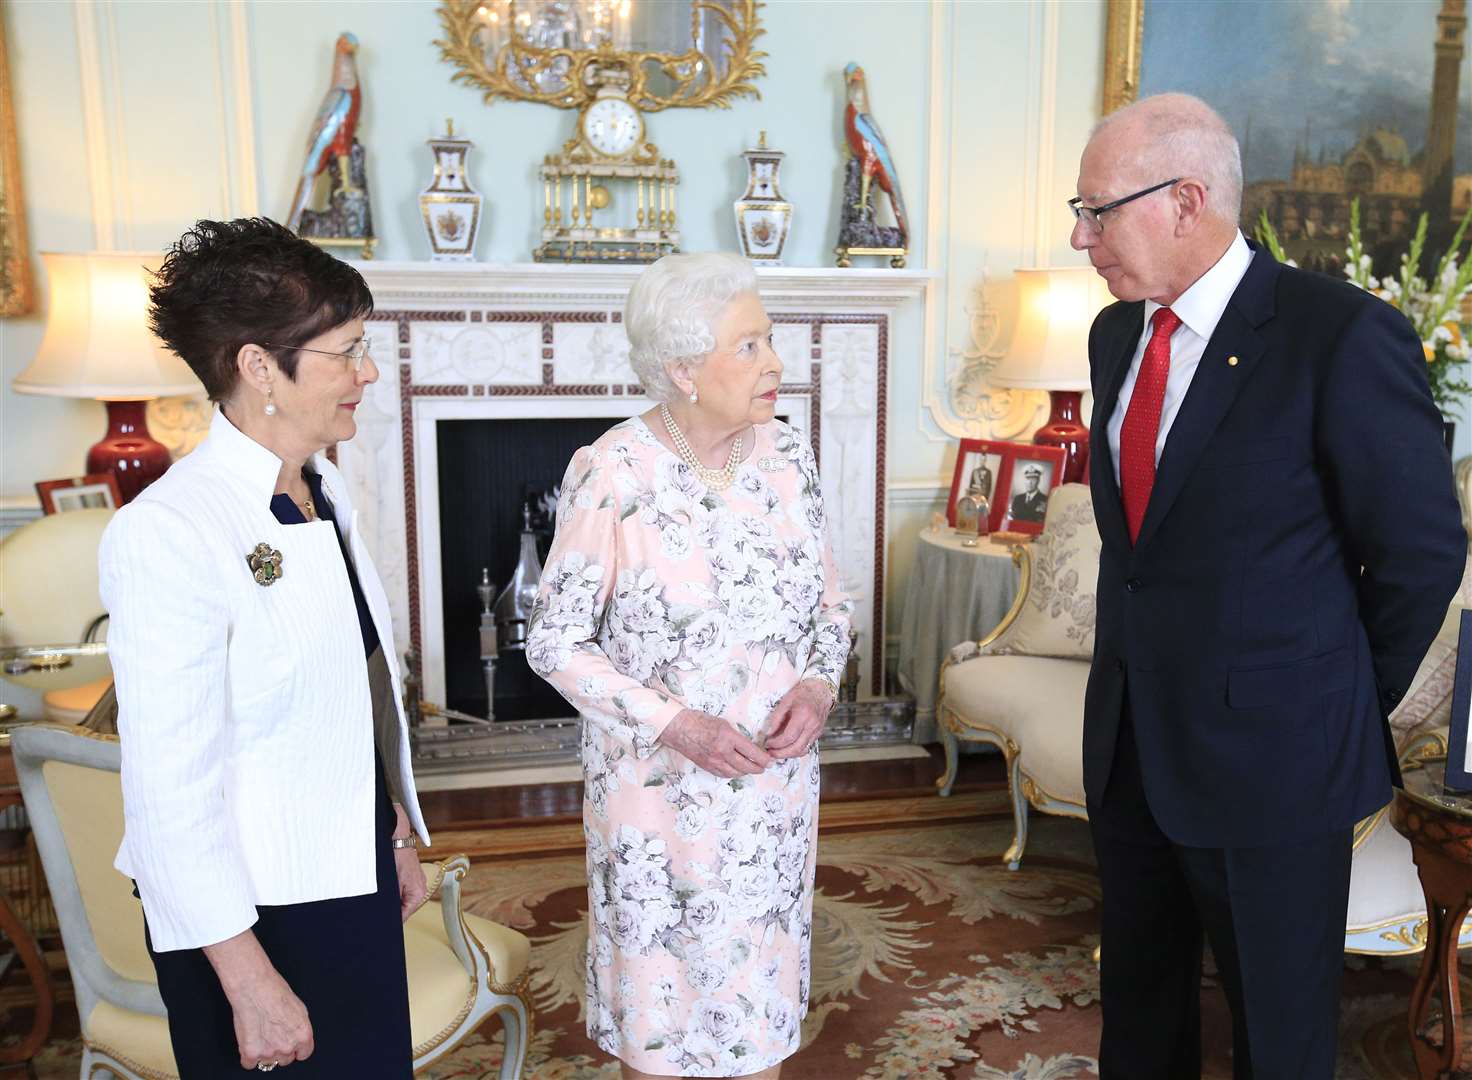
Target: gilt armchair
(1021, 689)
(462, 969)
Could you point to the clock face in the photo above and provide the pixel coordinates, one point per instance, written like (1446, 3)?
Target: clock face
(612, 126)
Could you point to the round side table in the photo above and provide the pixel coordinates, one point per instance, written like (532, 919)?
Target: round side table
(955, 594)
(1439, 828)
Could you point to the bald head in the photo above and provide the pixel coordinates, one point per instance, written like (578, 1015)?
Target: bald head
(1177, 135)
(1165, 178)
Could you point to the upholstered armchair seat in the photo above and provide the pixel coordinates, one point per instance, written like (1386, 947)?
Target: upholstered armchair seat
(462, 969)
(1051, 757)
(1386, 904)
(136, 1041)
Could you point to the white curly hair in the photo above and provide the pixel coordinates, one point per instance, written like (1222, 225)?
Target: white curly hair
(671, 310)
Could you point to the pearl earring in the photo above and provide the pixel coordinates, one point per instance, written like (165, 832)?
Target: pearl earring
(270, 405)
(694, 398)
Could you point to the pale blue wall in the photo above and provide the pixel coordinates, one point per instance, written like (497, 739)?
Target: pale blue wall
(173, 148)
(204, 110)
(409, 95)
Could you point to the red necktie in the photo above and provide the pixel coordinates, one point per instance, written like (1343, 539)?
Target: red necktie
(1142, 422)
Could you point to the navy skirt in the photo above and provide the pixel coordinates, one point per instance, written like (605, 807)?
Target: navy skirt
(345, 960)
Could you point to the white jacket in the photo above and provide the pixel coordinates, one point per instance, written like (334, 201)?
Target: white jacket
(244, 710)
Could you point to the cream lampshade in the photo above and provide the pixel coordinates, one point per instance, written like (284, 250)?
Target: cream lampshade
(1050, 351)
(97, 345)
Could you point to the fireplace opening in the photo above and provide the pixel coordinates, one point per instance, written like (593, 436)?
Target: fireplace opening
(488, 471)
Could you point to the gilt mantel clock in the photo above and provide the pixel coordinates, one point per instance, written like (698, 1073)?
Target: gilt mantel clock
(608, 195)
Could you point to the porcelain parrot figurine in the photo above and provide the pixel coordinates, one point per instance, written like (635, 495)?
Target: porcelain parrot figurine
(334, 129)
(867, 144)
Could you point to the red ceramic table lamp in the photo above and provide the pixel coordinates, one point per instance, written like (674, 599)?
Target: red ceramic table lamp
(1050, 351)
(98, 345)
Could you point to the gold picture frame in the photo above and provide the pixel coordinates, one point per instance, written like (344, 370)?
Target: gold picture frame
(17, 285)
(689, 72)
(1124, 35)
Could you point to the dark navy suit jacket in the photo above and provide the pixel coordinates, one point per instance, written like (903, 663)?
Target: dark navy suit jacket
(1296, 559)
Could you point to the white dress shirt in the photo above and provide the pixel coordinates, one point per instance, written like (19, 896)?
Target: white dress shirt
(244, 710)
(1199, 308)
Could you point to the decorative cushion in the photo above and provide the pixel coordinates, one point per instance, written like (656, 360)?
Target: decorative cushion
(1428, 701)
(1057, 618)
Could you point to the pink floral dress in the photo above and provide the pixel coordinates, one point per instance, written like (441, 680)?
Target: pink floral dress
(659, 595)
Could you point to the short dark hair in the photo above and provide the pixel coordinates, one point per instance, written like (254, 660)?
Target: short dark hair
(227, 284)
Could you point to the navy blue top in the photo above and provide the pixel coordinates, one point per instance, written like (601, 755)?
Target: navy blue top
(288, 513)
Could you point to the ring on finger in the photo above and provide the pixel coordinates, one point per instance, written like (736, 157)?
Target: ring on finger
(266, 1066)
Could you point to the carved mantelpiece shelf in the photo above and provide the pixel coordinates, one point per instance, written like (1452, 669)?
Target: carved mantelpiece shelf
(486, 341)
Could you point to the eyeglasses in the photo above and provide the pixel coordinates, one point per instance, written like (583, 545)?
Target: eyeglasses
(1090, 215)
(353, 356)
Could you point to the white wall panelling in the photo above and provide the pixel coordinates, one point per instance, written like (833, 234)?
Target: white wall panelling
(95, 124)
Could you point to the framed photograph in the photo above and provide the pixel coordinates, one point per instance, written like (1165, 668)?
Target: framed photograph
(1458, 766)
(93, 491)
(979, 464)
(1030, 479)
(1016, 479)
(1328, 100)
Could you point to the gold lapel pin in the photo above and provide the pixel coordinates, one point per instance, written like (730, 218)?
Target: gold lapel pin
(1231, 361)
(265, 564)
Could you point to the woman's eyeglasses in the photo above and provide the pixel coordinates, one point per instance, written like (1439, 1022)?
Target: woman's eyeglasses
(354, 356)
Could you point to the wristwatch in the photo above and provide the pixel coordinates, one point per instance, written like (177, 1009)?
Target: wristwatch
(410, 841)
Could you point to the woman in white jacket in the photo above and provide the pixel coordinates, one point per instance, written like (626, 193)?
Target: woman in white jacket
(269, 803)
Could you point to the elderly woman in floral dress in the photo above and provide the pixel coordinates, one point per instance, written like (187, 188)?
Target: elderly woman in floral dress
(691, 611)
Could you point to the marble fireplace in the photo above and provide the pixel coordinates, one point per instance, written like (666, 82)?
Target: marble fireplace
(489, 342)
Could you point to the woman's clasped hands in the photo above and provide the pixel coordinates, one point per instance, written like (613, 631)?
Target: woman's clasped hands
(794, 725)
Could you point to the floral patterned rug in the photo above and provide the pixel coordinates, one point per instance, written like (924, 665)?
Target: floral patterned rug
(931, 961)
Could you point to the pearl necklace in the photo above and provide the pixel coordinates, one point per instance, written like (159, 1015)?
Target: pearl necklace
(718, 479)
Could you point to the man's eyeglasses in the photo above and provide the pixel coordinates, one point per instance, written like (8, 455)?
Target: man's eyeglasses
(1090, 215)
(354, 356)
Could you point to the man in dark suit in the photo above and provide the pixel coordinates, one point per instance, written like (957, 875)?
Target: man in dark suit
(1280, 542)
(1030, 504)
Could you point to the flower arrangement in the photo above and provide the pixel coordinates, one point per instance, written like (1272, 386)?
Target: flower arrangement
(1434, 308)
